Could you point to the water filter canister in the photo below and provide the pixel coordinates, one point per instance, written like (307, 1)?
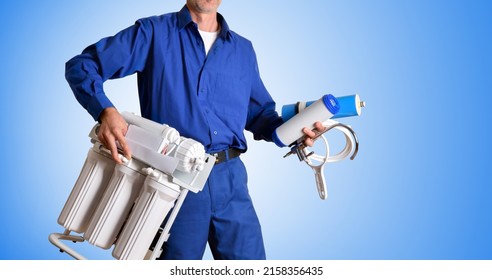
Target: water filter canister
(152, 206)
(321, 110)
(87, 192)
(121, 192)
(350, 106)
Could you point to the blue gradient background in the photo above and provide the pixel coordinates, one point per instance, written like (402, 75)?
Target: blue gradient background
(420, 187)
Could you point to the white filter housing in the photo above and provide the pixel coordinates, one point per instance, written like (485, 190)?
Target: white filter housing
(121, 193)
(125, 204)
(291, 131)
(155, 201)
(87, 192)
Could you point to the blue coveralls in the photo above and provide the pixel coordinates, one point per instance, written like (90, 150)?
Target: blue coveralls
(211, 99)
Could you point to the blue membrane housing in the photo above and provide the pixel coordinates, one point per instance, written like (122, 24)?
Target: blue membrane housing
(349, 107)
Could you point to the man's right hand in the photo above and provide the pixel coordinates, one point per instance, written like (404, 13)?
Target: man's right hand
(112, 130)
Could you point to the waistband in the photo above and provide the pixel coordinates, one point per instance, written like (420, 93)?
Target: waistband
(226, 155)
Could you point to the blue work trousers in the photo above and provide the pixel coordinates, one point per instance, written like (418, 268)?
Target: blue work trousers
(222, 214)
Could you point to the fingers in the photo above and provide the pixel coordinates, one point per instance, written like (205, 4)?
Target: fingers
(319, 126)
(308, 142)
(112, 133)
(310, 134)
(124, 146)
(108, 139)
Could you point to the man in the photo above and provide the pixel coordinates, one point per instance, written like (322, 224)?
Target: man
(201, 78)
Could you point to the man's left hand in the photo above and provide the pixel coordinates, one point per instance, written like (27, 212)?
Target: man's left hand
(309, 141)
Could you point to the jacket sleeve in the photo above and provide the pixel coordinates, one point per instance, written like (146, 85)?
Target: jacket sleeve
(262, 118)
(113, 57)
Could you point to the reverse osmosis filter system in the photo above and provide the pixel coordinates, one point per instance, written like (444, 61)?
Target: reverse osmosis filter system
(305, 114)
(124, 205)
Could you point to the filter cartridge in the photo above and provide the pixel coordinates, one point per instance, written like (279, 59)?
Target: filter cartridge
(321, 110)
(350, 106)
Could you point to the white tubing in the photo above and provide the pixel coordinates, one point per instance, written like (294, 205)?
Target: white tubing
(344, 153)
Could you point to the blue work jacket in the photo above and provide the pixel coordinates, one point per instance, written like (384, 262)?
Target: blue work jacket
(211, 99)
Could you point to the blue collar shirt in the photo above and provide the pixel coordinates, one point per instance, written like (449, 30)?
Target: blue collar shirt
(211, 99)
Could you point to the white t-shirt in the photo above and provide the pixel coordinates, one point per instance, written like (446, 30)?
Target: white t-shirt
(208, 39)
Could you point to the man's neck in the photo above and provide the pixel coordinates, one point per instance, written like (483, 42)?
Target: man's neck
(206, 21)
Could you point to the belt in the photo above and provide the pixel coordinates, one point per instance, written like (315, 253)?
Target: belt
(226, 155)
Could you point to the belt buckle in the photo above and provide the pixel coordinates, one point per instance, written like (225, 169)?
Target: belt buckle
(217, 158)
(221, 156)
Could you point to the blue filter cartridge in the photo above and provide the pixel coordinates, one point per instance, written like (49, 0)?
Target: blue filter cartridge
(350, 106)
(323, 109)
